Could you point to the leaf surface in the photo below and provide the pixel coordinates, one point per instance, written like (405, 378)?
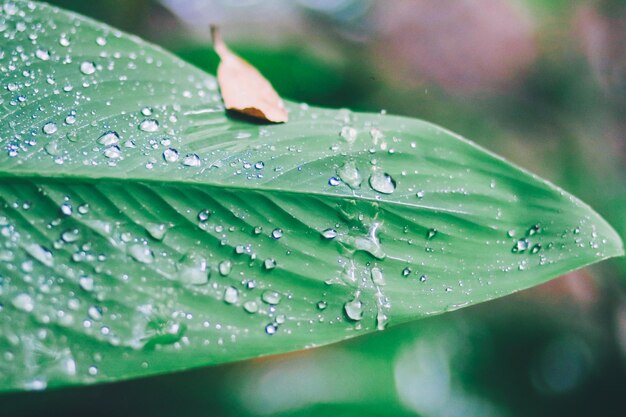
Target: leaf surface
(143, 231)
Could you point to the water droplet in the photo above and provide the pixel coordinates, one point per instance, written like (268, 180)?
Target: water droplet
(350, 174)
(231, 295)
(113, 152)
(156, 230)
(271, 297)
(334, 181)
(520, 246)
(329, 233)
(431, 234)
(23, 302)
(149, 125)
(101, 41)
(170, 155)
(193, 269)
(533, 230)
(225, 267)
(40, 253)
(536, 248)
(192, 160)
(109, 138)
(420, 194)
(277, 233)
(251, 307)
(406, 272)
(70, 236)
(348, 133)
(95, 312)
(86, 283)
(269, 263)
(321, 305)
(141, 253)
(270, 329)
(49, 128)
(66, 209)
(377, 276)
(203, 215)
(382, 182)
(354, 309)
(423, 278)
(259, 165)
(87, 67)
(43, 54)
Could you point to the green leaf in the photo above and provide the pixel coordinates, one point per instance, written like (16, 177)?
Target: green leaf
(144, 230)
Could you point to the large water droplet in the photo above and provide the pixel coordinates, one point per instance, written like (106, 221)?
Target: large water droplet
(354, 309)
(191, 160)
(231, 295)
(329, 233)
(50, 128)
(149, 125)
(382, 182)
(109, 138)
(141, 253)
(225, 267)
(193, 269)
(87, 67)
(156, 230)
(170, 155)
(271, 297)
(350, 175)
(23, 302)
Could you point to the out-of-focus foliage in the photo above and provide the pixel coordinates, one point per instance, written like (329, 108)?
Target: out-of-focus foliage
(559, 349)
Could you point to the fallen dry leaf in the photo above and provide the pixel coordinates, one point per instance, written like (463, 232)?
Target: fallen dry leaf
(244, 89)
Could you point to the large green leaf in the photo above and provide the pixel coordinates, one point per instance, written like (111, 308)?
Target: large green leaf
(144, 230)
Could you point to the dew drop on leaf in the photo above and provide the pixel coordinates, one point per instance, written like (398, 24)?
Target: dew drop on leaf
(382, 182)
(87, 67)
(141, 253)
(149, 125)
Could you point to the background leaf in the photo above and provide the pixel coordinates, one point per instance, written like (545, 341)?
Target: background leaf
(144, 231)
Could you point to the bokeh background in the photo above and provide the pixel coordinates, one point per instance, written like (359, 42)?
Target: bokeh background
(541, 82)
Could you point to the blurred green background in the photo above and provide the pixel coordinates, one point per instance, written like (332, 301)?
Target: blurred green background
(541, 82)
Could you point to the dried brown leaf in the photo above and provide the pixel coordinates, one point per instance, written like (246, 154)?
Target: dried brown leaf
(243, 88)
